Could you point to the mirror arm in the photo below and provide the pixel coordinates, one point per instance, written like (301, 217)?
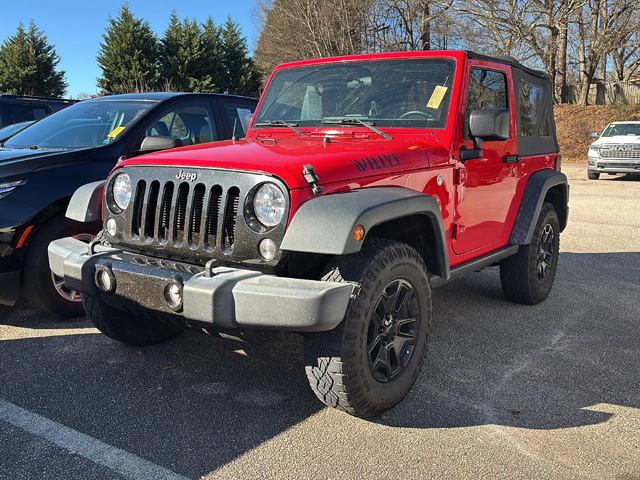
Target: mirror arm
(471, 154)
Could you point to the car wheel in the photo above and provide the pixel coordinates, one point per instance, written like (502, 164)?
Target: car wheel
(593, 175)
(126, 327)
(370, 361)
(527, 276)
(43, 289)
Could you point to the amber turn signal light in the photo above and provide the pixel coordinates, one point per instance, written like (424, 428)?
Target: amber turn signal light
(358, 232)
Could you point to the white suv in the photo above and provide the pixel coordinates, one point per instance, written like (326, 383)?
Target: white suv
(617, 150)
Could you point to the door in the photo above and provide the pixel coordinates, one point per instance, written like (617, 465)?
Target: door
(485, 186)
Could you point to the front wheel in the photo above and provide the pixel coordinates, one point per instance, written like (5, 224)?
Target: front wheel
(593, 175)
(371, 360)
(527, 276)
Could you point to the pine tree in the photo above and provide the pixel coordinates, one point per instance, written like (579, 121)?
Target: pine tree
(243, 77)
(28, 65)
(213, 51)
(129, 55)
(182, 56)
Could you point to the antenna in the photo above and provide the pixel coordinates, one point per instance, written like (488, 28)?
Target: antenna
(234, 137)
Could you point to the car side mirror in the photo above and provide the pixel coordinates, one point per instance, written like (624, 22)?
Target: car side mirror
(158, 143)
(595, 135)
(490, 124)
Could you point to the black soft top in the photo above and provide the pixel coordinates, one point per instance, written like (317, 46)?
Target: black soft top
(507, 60)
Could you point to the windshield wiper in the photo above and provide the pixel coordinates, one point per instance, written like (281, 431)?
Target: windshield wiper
(35, 147)
(357, 121)
(281, 123)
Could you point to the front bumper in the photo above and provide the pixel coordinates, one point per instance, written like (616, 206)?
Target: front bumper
(613, 165)
(223, 297)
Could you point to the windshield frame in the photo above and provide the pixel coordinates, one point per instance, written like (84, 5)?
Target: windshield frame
(55, 128)
(326, 127)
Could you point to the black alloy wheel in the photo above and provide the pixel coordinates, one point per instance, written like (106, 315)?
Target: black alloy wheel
(546, 253)
(392, 332)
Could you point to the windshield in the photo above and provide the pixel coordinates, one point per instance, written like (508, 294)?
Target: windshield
(86, 124)
(390, 93)
(632, 129)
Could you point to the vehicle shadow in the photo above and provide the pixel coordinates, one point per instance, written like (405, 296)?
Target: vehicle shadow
(23, 315)
(196, 403)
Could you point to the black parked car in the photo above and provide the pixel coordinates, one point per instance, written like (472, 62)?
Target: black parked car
(24, 108)
(44, 164)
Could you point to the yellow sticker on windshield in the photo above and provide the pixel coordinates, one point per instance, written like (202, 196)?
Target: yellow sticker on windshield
(115, 132)
(436, 97)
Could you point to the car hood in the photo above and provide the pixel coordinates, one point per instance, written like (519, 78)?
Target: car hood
(14, 162)
(627, 139)
(341, 159)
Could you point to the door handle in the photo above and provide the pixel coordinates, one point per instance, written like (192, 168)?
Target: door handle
(511, 159)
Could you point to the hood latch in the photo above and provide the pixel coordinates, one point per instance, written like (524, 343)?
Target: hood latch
(310, 175)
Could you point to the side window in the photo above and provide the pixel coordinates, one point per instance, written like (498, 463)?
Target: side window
(23, 112)
(531, 105)
(240, 114)
(193, 123)
(487, 89)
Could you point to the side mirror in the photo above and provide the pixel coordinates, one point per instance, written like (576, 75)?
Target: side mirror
(595, 135)
(490, 124)
(158, 143)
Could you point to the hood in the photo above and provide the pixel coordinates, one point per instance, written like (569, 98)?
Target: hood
(628, 139)
(341, 159)
(15, 162)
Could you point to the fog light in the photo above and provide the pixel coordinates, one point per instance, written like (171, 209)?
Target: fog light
(173, 295)
(591, 164)
(111, 227)
(268, 249)
(105, 280)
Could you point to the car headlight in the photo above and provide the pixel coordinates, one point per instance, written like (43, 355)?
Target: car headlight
(594, 147)
(269, 205)
(7, 187)
(121, 191)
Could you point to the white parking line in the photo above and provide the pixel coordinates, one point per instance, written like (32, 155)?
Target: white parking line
(120, 461)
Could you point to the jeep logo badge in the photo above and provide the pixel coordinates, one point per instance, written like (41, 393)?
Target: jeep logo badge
(190, 177)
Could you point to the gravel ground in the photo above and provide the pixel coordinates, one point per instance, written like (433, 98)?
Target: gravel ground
(507, 391)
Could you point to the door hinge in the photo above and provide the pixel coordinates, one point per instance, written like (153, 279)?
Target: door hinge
(461, 176)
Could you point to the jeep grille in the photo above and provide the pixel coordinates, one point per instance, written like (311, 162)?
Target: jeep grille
(193, 221)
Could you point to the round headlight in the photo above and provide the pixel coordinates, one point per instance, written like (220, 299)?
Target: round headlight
(121, 191)
(269, 204)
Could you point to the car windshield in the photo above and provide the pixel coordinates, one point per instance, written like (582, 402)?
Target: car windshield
(91, 123)
(411, 93)
(623, 129)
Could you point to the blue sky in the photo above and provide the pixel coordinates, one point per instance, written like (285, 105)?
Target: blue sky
(75, 27)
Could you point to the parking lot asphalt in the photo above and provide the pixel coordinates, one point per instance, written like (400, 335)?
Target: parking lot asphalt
(506, 391)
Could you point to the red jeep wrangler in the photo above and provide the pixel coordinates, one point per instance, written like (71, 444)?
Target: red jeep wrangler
(363, 182)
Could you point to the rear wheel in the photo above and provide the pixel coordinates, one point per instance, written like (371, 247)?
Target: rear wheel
(126, 327)
(527, 276)
(370, 361)
(41, 287)
(593, 175)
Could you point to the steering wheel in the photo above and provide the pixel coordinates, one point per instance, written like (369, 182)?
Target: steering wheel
(428, 115)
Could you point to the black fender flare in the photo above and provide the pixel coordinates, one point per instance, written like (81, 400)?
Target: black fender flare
(86, 203)
(325, 224)
(538, 186)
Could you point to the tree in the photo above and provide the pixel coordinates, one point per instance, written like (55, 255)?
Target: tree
(212, 46)
(129, 55)
(28, 65)
(182, 56)
(242, 75)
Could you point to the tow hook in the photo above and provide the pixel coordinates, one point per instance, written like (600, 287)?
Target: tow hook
(310, 175)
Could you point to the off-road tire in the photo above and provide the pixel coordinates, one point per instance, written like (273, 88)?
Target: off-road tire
(126, 327)
(37, 284)
(337, 361)
(593, 175)
(519, 272)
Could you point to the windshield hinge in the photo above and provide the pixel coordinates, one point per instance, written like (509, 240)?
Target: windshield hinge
(310, 175)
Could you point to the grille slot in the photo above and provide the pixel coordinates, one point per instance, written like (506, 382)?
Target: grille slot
(230, 217)
(165, 212)
(195, 223)
(151, 208)
(180, 213)
(211, 231)
(136, 224)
